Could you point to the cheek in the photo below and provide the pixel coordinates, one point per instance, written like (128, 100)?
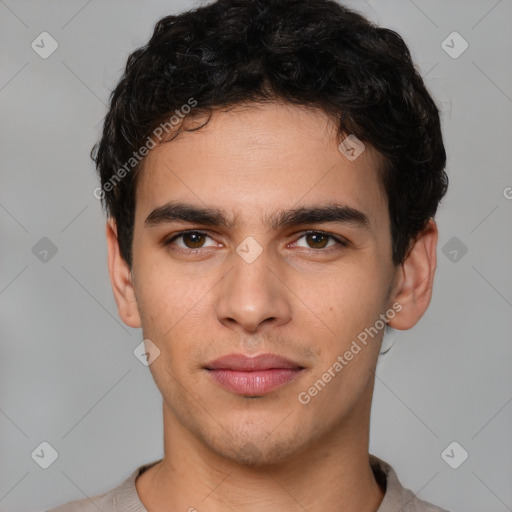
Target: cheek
(349, 298)
(348, 302)
(168, 300)
(177, 315)
(172, 310)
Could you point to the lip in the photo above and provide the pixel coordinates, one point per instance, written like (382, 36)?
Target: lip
(243, 363)
(253, 376)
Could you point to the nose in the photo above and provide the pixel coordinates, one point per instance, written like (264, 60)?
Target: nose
(252, 296)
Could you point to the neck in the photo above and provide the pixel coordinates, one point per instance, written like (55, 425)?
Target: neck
(332, 473)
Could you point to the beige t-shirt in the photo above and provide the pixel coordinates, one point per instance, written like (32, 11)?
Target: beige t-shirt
(124, 498)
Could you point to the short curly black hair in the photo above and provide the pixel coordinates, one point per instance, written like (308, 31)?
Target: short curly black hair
(315, 53)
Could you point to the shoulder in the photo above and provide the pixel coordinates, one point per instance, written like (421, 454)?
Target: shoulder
(123, 498)
(104, 502)
(396, 496)
(414, 504)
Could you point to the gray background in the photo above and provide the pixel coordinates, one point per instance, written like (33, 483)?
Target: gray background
(68, 375)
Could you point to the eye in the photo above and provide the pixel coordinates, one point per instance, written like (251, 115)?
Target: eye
(320, 240)
(190, 240)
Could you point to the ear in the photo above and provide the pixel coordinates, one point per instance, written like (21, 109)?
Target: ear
(121, 279)
(415, 278)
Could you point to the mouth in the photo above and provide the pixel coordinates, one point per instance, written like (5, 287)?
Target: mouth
(253, 376)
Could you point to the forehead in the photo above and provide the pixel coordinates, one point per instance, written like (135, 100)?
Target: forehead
(251, 161)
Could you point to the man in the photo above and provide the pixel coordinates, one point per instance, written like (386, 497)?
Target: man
(270, 170)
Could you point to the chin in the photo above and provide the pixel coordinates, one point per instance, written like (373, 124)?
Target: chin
(256, 452)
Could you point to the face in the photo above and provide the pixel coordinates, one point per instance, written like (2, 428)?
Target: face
(251, 279)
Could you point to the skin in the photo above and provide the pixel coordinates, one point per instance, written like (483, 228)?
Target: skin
(224, 451)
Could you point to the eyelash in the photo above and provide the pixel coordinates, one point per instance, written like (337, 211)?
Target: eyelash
(340, 241)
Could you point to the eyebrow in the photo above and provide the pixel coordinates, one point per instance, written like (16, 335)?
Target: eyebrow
(333, 212)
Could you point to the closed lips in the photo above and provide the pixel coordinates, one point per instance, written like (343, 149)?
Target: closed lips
(243, 363)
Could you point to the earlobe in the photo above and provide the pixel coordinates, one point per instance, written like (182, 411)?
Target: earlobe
(413, 289)
(121, 279)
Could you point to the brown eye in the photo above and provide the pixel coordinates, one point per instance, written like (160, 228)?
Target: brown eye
(317, 240)
(193, 240)
(190, 240)
(320, 240)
